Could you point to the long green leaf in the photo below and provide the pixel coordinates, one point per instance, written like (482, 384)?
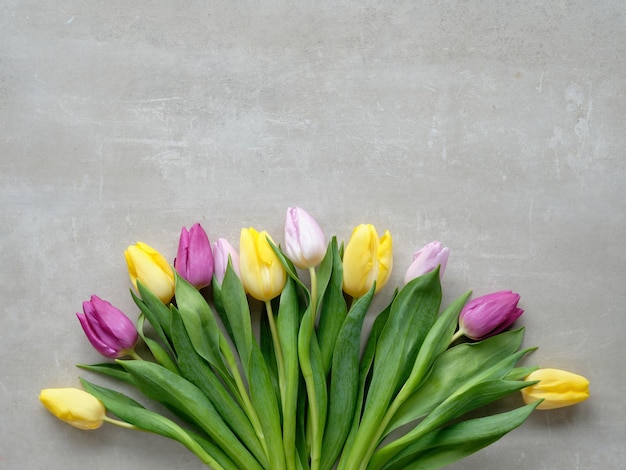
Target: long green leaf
(110, 369)
(201, 325)
(455, 366)
(333, 309)
(455, 406)
(157, 313)
(237, 312)
(160, 384)
(197, 371)
(452, 443)
(133, 413)
(344, 381)
(413, 313)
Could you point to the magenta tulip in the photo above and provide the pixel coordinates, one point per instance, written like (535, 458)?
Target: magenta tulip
(489, 315)
(194, 260)
(427, 259)
(221, 251)
(108, 329)
(305, 244)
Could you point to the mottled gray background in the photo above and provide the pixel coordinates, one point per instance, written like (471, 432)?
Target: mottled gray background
(495, 127)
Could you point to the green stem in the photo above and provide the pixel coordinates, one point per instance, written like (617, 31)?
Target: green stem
(121, 424)
(278, 350)
(457, 335)
(304, 349)
(243, 393)
(132, 353)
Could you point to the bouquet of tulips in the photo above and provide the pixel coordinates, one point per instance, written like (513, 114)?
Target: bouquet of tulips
(306, 387)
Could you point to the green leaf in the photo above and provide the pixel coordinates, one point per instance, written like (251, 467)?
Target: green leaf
(344, 381)
(333, 309)
(520, 373)
(179, 394)
(287, 324)
(459, 364)
(110, 369)
(197, 371)
(157, 313)
(158, 352)
(200, 324)
(413, 313)
(134, 413)
(453, 407)
(237, 312)
(265, 402)
(450, 444)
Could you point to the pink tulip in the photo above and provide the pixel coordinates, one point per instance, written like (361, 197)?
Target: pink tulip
(427, 259)
(489, 315)
(109, 330)
(221, 251)
(194, 260)
(305, 244)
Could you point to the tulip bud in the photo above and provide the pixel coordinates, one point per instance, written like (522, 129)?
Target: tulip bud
(194, 259)
(427, 259)
(558, 388)
(305, 244)
(221, 251)
(262, 274)
(109, 331)
(489, 315)
(367, 258)
(149, 267)
(74, 406)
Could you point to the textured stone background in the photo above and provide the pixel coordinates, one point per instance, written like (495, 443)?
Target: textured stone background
(495, 127)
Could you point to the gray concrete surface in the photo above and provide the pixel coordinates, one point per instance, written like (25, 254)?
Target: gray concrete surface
(495, 127)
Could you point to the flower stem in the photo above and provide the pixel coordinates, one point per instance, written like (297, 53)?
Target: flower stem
(132, 353)
(457, 335)
(304, 352)
(121, 424)
(278, 350)
(243, 393)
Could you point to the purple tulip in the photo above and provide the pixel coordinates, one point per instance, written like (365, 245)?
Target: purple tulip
(109, 331)
(305, 244)
(221, 251)
(489, 315)
(194, 260)
(427, 259)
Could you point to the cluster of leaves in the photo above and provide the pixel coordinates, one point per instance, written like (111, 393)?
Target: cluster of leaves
(399, 403)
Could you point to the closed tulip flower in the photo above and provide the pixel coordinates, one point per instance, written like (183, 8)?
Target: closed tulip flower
(427, 259)
(194, 259)
(149, 267)
(109, 331)
(557, 388)
(367, 258)
(262, 274)
(489, 315)
(305, 244)
(74, 406)
(222, 250)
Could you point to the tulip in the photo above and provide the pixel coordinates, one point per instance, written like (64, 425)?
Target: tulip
(74, 406)
(149, 267)
(427, 259)
(107, 328)
(305, 244)
(367, 258)
(557, 388)
(262, 274)
(489, 315)
(222, 250)
(194, 259)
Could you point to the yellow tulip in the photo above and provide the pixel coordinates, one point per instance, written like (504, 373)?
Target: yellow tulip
(558, 388)
(367, 258)
(262, 274)
(74, 406)
(149, 267)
